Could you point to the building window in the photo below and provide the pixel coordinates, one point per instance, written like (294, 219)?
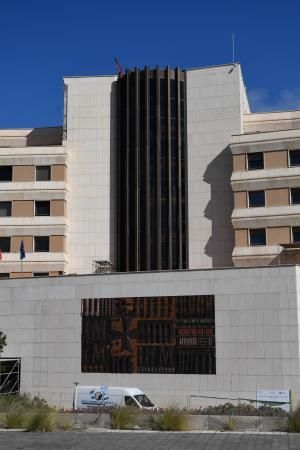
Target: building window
(294, 157)
(41, 244)
(5, 244)
(255, 160)
(295, 196)
(130, 402)
(256, 198)
(4, 275)
(43, 173)
(296, 234)
(6, 173)
(42, 208)
(257, 236)
(5, 209)
(41, 274)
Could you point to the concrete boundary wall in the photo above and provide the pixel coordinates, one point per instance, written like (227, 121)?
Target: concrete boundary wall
(195, 422)
(257, 332)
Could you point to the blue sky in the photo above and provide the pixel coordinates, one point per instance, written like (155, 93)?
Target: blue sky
(43, 40)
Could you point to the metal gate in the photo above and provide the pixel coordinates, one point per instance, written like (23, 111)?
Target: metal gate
(10, 375)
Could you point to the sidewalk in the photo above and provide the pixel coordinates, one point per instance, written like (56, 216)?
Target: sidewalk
(130, 440)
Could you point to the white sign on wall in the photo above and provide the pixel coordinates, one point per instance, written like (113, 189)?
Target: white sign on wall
(275, 398)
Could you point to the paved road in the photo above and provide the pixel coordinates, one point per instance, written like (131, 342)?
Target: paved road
(147, 441)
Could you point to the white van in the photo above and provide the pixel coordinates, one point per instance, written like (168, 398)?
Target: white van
(90, 396)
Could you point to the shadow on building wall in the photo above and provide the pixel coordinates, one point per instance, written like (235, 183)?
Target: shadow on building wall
(45, 136)
(113, 174)
(219, 209)
(285, 257)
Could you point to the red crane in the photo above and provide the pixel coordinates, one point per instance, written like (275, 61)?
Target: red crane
(119, 67)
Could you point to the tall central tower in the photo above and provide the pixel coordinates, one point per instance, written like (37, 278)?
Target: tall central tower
(152, 185)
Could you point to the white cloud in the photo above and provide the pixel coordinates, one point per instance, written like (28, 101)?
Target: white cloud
(258, 99)
(290, 98)
(261, 100)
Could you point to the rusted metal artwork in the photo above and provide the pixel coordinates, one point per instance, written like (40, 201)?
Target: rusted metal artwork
(149, 335)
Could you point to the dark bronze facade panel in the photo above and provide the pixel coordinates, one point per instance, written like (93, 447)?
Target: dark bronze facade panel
(156, 153)
(149, 335)
(145, 265)
(151, 170)
(179, 158)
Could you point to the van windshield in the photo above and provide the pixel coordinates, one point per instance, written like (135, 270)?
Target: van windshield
(143, 400)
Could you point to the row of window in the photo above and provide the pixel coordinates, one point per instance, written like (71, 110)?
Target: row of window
(42, 173)
(257, 236)
(255, 161)
(35, 274)
(42, 208)
(41, 244)
(257, 198)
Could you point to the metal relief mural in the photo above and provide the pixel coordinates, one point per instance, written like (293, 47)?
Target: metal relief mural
(149, 335)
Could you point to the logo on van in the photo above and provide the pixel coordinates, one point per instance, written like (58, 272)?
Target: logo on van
(98, 397)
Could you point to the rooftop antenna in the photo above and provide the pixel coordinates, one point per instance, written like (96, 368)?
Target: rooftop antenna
(233, 49)
(119, 67)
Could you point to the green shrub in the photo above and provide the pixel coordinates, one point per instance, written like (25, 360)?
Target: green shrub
(23, 400)
(6, 401)
(293, 421)
(15, 409)
(242, 409)
(42, 420)
(144, 419)
(3, 405)
(14, 417)
(171, 419)
(64, 423)
(229, 424)
(123, 418)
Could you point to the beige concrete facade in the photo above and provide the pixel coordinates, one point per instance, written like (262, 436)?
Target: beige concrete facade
(240, 199)
(278, 235)
(34, 274)
(277, 197)
(274, 160)
(23, 208)
(23, 173)
(58, 208)
(256, 327)
(221, 134)
(28, 172)
(58, 172)
(26, 208)
(24, 151)
(16, 242)
(241, 238)
(274, 135)
(272, 121)
(239, 163)
(20, 275)
(57, 244)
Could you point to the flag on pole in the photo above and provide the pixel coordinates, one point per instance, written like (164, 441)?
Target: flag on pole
(22, 251)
